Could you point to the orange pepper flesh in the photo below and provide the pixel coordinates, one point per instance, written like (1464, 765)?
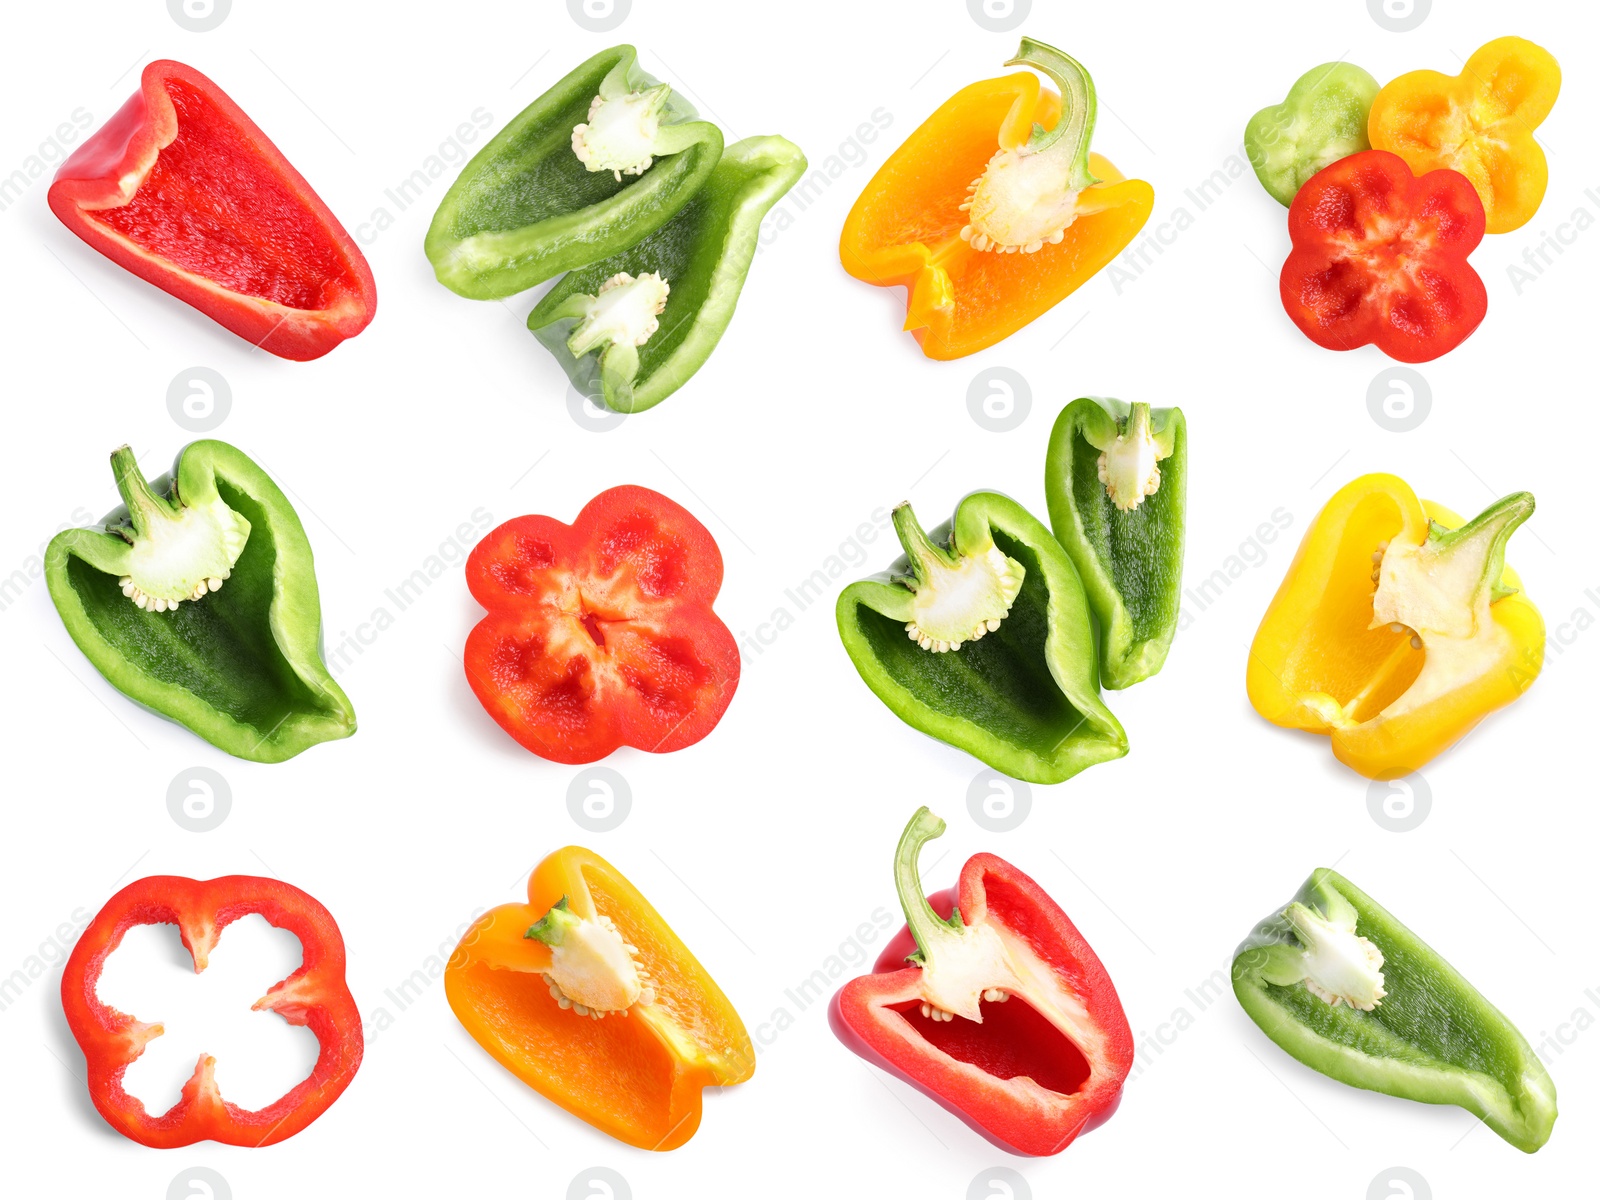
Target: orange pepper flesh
(1479, 123)
(905, 228)
(637, 1077)
(1315, 651)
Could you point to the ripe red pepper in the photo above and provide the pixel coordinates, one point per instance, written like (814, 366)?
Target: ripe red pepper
(1380, 256)
(315, 996)
(600, 634)
(1006, 1017)
(182, 189)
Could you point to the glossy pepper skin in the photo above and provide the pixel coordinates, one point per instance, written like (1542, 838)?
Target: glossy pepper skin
(638, 1076)
(1480, 123)
(184, 190)
(1328, 659)
(1047, 1056)
(315, 996)
(906, 228)
(526, 208)
(1024, 697)
(1128, 549)
(1380, 257)
(703, 254)
(241, 668)
(1323, 119)
(1431, 1037)
(601, 634)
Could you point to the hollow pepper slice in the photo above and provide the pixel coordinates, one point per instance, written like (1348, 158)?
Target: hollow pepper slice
(1005, 1016)
(587, 995)
(184, 190)
(987, 234)
(1345, 988)
(1115, 477)
(600, 634)
(314, 995)
(602, 159)
(631, 329)
(980, 636)
(1479, 123)
(1380, 257)
(198, 599)
(1323, 119)
(1397, 628)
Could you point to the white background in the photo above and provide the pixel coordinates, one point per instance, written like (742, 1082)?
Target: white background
(767, 844)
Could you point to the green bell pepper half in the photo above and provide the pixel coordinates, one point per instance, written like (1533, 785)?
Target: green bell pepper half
(1429, 1035)
(241, 664)
(527, 207)
(1323, 119)
(1115, 478)
(634, 360)
(1014, 683)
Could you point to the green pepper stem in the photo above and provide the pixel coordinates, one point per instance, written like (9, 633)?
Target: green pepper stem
(553, 927)
(1493, 525)
(925, 924)
(1077, 106)
(144, 506)
(922, 553)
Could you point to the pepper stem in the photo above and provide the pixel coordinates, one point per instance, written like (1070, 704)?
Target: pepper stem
(145, 508)
(1077, 106)
(925, 924)
(926, 558)
(1483, 539)
(553, 927)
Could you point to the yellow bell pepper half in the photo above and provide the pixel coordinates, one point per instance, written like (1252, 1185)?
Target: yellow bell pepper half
(1479, 123)
(1397, 628)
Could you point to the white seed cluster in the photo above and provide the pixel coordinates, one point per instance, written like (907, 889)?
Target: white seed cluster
(938, 646)
(1150, 486)
(647, 991)
(934, 1013)
(160, 604)
(982, 241)
(591, 158)
(623, 279)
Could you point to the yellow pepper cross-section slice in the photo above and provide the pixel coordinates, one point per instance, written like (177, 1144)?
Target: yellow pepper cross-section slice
(1479, 123)
(587, 996)
(987, 233)
(1398, 627)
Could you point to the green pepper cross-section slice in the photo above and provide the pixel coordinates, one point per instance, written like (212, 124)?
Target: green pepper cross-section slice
(1348, 990)
(1115, 479)
(961, 648)
(635, 356)
(570, 180)
(1323, 119)
(199, 600)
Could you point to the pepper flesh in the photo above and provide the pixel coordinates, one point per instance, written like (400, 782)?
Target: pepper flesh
(1428, 1036)
(1116, 478)
(314, 995)
(1335, 654)
(1006, 1017)
(906, 229)
(1380, 257)
(702, 256)
(1323, 119)
(601, 633)
(241, 667)
(1023, 698)
(637, 1077)
(184, 190)
(1479, 123)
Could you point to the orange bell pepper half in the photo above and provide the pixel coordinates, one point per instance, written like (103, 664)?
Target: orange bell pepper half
(586, 995)
(1479, 122)
(988, 233)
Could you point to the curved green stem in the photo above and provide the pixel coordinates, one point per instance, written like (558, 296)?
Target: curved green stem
(144, 506)
(1076, 126)
(552, 928)
(923, 554)
(925, 924)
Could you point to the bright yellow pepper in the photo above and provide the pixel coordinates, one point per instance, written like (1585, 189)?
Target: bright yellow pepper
(1398, 627)
(1479, 123)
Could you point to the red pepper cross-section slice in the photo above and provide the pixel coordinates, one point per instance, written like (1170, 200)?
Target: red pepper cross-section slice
(315, 996)
(181, 188)
(1380, 257)
(600, 634)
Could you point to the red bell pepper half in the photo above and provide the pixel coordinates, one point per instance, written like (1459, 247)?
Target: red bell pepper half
(600, 634)
(315, 996)
(1005, 1016)
(1380, 256)
(182, 189)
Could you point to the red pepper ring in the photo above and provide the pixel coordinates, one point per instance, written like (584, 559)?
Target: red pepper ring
(1380, 257)
(184, 190)
(315, 996)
